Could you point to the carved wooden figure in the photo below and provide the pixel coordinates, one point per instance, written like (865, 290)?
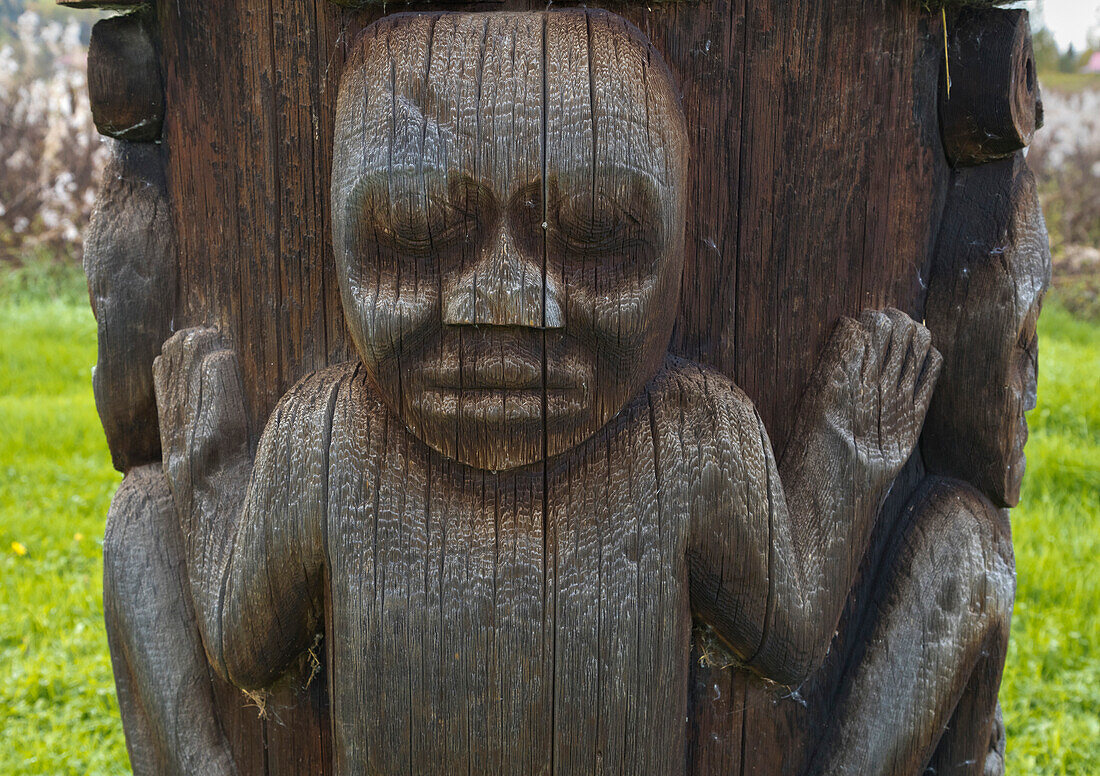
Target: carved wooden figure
(505, 517)
(520, 532)
(129, 258)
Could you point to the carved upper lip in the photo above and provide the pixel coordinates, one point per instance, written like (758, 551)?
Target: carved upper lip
(500, 366)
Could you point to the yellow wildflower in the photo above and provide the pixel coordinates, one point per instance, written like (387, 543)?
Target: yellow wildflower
(78, 537)
(18, 548)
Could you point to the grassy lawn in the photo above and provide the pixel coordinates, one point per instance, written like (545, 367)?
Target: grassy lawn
(1069, 83)
(57, 706)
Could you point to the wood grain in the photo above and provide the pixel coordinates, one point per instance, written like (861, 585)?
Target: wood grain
(940, 636)
(162, 677)
(124, 83)
(130, 262)
(539, 618)
(992, 107)
(992, 267)
(813, 187)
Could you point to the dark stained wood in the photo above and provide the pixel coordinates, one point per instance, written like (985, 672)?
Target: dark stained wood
(992, 107)
(812, 187)
(991, 269)
(130, 261)
(160, 670)
(940, 636)
(124, 85)
(654, 513)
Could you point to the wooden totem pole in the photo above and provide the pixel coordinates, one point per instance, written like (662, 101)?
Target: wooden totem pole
(505, 389)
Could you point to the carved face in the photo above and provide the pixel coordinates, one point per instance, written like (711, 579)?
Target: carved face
(508, 217)
(983, 308)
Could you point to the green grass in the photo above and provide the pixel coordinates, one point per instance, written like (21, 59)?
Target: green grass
(1051, 690)
(57, 707)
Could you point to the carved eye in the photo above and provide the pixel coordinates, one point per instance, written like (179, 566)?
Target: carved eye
(617, 227)
(405, 221)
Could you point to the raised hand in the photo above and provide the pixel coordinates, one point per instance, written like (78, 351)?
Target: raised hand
(872, 388)
(859, 423)
(200, 401)
(205, 444)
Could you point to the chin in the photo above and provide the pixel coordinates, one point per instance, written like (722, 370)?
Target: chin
(500, 430)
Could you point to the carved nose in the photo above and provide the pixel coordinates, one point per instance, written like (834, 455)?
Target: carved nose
(503, 289)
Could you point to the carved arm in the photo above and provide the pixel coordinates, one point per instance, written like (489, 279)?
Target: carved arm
(806, 523)
(252, 546)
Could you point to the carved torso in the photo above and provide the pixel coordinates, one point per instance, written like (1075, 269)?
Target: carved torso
(468, 610)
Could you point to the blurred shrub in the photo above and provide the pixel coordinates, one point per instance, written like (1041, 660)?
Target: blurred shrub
(1066, 159)
(49, 149)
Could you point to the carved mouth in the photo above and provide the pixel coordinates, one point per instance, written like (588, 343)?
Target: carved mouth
(497, 367)
(501, 405)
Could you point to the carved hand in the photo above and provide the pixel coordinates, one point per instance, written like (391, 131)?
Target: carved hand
(200, 400)
(858, 424)
(204, 438)
(871, 390)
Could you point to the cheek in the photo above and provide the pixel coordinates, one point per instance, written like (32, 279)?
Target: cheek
(389, 315)
(628, 319)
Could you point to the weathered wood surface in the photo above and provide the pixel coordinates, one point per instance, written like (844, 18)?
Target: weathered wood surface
(992, 107)
(812, 166)
(124, 84)
(813, 186)
(130, 261)
(991, 269)
(706, 524)
(163, 680)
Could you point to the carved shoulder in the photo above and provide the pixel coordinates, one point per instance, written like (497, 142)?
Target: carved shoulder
(712, 444)
(701, 412)
(295, 442)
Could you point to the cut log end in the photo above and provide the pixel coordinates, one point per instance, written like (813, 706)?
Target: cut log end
(991, 108)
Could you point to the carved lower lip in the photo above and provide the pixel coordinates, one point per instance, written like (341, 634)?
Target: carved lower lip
(492, 405)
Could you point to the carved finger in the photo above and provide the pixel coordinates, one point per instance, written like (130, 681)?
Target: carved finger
(841, 361)
(926, 382)
(880, 329)
(918, 351)
(221, 428)
(901, 348)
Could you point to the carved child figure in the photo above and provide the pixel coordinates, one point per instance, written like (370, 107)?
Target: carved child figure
(506, 515)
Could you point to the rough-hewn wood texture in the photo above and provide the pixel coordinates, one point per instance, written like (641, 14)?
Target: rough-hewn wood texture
(992, 108)
(814, 186)
(991, 269)
(124, 85)
(813, 191)
(649, 492)
(130, 261)
(163, 680)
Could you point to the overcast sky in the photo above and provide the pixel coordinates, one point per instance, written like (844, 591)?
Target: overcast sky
(1069, 20)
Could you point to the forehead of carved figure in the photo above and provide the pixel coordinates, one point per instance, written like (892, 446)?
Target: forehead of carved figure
(514, 102)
